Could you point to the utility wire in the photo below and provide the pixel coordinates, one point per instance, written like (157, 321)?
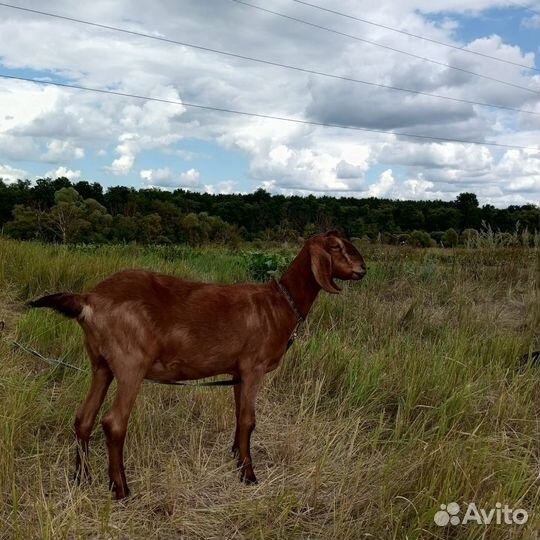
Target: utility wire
(357, 38)
(275, 64)
(259, 115)
(410, 34)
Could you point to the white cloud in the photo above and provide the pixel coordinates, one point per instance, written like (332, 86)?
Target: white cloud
(346, 170)
(190, 178)
(531, 22)
(63, 171)
(324, 167)
(166, 178)
(58, 150)
(438, 155)
(123, 164)
(10, 174)
(384, 186)
(225, 187)
(59, 125)
(416, 188)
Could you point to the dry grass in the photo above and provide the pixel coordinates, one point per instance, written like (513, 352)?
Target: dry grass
(403, 393)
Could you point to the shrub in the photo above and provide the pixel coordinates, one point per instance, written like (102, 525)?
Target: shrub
(403, 239)
(438, 237)
(470, 237)
(450, 238)
(264, 266)
(420, 239)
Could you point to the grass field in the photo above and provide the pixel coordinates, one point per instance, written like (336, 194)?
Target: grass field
(403, 393)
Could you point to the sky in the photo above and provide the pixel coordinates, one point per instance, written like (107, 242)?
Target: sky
(52, 131)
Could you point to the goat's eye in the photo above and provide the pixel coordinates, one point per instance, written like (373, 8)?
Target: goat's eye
(335, 247)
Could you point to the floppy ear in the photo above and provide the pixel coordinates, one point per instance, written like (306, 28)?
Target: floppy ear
(321, 266)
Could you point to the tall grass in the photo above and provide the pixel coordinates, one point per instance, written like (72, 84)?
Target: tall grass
(403, 393)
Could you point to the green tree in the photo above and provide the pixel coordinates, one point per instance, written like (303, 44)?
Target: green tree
(467, 204)
(124, 228)
(420, 239)
(309, 230)
(171, 219)
(450, 238)
(65, 218)
(90, 191)
(98, 221)
(45, 189)
(470, 237)
(12, 194)
(440, 218)
(27, 223)
(149, 228)
(201, 217)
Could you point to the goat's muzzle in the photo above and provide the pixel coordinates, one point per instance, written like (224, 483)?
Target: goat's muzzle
(359, 274)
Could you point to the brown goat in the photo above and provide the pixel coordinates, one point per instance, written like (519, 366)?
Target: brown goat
(141, 324)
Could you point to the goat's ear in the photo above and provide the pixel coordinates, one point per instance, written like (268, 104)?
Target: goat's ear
(321, 266)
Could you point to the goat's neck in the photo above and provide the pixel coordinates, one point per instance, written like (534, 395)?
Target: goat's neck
(301, 283)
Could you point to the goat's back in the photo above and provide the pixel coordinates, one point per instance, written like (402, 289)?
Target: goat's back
(164, 296)
(195, 329)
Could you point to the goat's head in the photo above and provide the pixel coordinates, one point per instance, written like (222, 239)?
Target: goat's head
(334, 257)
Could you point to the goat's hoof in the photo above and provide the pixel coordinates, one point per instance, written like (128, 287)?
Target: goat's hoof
(120, 492)
(235, 451)
(119, 495)
(82, 477)
(250, 481)
(248, 478)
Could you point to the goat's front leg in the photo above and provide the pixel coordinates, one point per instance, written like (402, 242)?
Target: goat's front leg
(237, 396)
(249, 388)
(115, 424)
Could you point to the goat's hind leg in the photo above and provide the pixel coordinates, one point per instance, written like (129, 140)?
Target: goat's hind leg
(86, 415)
(236, 445)
(115, 424)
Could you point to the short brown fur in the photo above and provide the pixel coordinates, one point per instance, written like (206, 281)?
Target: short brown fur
(140, 324)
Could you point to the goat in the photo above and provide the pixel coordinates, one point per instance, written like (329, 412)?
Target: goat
(140, 324)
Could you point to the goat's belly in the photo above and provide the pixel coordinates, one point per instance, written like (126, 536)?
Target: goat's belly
(182, 370)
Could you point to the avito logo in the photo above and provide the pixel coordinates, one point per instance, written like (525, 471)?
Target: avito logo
(450, 514)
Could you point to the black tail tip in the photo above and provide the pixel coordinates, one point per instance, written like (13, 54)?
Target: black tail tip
(44, 301)
(67, 304)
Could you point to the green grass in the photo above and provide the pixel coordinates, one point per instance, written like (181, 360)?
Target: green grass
(403, 393)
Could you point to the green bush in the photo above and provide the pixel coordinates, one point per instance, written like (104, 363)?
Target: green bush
(437, 236)
(403, 239)
(420, 239)
(264, 266)
(450, 238)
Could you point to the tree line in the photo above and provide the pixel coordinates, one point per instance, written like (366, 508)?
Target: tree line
(64, 211)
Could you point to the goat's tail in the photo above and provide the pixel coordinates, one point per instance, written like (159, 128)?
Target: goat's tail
(67, 304)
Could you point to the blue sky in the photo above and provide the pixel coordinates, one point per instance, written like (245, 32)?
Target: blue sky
(505, 22)
(121, 141)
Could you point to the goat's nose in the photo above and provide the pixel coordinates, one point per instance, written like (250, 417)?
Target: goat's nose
(360, 271)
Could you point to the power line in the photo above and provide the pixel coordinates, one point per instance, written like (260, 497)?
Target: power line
(363, 40)
(410, 34)
(271, 63)
(260, 115)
